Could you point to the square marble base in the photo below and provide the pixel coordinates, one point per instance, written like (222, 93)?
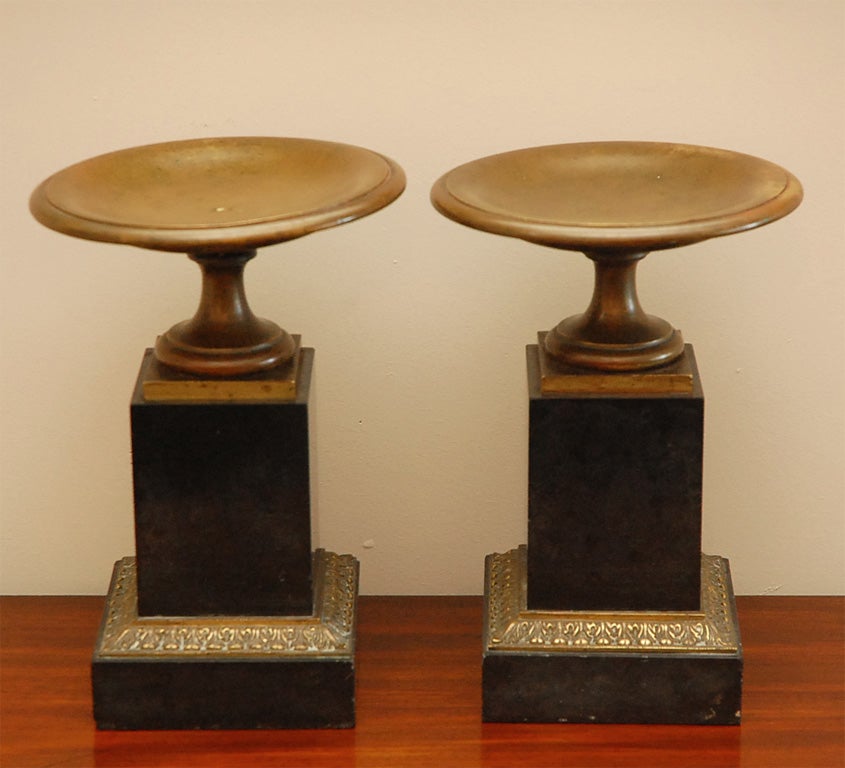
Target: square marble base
(171, 672)
(609, 667)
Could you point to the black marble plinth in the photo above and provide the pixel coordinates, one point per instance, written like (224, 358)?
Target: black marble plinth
(228, 672)
(612, 688)
(222, 504)
(171, 695)
(614, 500)
(611, 667)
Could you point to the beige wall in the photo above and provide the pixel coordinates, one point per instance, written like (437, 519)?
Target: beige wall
(419, 324)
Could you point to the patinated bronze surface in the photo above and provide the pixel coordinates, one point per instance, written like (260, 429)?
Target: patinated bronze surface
(615, 202)
(612, 614)
(559, 377)
(165, 384)
(221, 195)
(218, 200)
(225, 618)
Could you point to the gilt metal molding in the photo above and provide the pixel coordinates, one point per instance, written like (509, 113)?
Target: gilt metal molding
(330, 631)
(511, 627)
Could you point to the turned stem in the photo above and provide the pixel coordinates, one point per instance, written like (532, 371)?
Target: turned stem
(223, 318)
(615, 315)
(615, 333)
(224, 337)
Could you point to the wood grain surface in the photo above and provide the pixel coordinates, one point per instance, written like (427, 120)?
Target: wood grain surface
(419, 699)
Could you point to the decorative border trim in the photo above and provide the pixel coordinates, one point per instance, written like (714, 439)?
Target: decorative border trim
(509, 626)
(329, 632)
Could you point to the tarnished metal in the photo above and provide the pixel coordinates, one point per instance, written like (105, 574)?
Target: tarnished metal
(556, 377)
(511, 627)
(329, 632)
(615, 202)
(218, 200)
(217, 195)
(162, 384)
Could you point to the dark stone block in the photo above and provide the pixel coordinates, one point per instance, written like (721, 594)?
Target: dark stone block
(614, 501)
(612, 688)
(626, 667)
(222, 504)
(155, 694)
(231, 671)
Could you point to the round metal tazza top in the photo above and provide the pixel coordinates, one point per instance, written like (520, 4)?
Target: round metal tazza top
(617, 195)
(218, 194)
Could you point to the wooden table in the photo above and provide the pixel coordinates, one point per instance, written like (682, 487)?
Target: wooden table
(419, 699)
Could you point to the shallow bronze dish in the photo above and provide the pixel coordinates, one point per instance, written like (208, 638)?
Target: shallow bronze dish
(218, 200)
(615, 202)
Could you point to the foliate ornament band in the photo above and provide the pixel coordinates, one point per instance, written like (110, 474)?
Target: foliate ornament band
(511, 627)
(330, 631)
